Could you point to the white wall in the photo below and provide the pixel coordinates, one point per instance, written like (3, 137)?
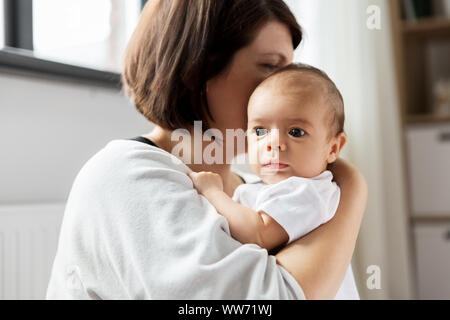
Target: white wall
(2, 25)
(48, 129)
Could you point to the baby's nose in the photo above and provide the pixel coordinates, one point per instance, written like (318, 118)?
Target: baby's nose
(281, 147)
(275, 142)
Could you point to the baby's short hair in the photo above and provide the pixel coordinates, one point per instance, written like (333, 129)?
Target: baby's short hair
(302, 77)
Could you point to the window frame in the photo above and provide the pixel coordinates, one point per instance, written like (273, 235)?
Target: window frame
(18, 56)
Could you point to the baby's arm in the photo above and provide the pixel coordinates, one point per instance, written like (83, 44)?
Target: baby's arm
(246, 225)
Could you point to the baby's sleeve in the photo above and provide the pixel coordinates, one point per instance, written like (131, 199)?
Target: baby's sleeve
(247, 194)
(299, 205)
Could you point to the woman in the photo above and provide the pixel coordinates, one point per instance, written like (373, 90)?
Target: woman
(134, 227)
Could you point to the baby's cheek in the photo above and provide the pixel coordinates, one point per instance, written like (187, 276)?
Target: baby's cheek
(255, 169)
(253, 153)
(317, 164)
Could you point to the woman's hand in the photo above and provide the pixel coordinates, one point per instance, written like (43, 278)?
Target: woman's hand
(206, 182)
(344, 172)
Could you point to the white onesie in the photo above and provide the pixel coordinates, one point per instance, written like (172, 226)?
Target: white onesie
(299, 205)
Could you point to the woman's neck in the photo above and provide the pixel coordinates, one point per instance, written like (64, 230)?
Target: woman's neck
(163, 139)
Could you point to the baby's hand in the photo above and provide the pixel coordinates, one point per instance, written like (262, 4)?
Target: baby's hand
(206, 182)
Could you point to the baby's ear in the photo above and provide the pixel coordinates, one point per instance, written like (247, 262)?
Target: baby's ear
(337, 143)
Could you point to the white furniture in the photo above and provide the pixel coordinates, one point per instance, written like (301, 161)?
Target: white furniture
(432, 241)
(429, 168)
(429, 180)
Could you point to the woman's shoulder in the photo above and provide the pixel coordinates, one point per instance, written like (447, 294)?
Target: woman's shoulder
(123, 157)
(125, 153)
(125, 167)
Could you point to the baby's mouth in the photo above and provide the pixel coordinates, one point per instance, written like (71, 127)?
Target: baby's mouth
(275, 165)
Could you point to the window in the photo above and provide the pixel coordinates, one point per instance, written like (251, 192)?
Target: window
(87, 33)
(2, 25)
(81, 40)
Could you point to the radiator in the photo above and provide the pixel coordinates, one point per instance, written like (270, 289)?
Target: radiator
(28, 242)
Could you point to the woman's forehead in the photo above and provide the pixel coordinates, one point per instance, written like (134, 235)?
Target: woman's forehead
(273, 39)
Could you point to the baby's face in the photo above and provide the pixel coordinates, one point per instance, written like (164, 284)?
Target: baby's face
(288, 135)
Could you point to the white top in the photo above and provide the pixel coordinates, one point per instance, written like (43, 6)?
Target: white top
(135, 228)
(299, 205)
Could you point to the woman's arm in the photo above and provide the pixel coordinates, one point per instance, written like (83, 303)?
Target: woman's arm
(246, 225)
(319, 260)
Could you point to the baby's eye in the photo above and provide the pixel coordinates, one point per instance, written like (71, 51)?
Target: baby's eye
(297, 133)
(260, 132)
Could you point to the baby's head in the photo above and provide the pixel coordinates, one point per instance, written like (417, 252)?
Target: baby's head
(295, 124)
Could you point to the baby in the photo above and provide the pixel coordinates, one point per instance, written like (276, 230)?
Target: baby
(295, 130)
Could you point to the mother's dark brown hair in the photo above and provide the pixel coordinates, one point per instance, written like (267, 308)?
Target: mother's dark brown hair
(181, 44)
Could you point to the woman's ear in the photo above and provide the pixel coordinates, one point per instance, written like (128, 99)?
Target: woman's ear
(338, 142)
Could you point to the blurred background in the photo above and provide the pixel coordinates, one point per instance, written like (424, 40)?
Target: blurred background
(61, 102)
